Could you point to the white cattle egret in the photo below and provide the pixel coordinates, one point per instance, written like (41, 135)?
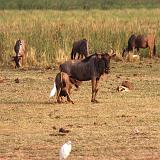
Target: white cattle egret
(65, 150)
(53, 91)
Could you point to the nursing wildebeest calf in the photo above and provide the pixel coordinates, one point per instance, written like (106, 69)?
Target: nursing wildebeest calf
(80, 47)
(63, 86)
(20, 50)
(141, 41)
(90, 68)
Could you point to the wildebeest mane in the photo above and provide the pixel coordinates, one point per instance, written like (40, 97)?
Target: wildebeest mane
(88, 58)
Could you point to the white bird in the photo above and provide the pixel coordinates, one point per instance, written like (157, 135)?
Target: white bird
(65, 150)
(53, 91)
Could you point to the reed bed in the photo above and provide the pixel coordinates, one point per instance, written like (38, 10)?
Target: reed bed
(50, 34)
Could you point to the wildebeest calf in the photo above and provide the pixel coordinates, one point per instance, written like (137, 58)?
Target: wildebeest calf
(20, 50)
(80, 47)
(63, 85)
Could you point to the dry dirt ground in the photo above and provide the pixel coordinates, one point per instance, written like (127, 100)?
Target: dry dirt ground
(122, 126)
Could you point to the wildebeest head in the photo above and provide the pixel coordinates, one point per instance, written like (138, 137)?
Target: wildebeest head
(103, 62)
(17, 46)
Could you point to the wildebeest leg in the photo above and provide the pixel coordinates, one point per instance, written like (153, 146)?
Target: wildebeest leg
(72, 54)
(138, 51)
(69, 89)
(22, 61)
(96, 87)
(79, 55)
(75, 55)
(68, 95)
(133, 50)
(150, 53)
(61, 99)
(93, 90)
(69, 98)
(58, 95)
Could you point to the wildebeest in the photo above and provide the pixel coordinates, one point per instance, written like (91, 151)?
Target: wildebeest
(63, 86)
(141, 41)
(80, 47)
(20, 49)
(90, 68)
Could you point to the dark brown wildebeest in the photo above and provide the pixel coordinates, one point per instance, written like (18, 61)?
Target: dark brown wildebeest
(20, 49)
(141, 41)
(90, 68)
(80, 47)
(63, 86)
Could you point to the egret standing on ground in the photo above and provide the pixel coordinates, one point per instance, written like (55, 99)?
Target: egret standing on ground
(65, 150)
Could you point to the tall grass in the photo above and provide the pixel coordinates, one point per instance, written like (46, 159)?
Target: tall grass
(50, 34)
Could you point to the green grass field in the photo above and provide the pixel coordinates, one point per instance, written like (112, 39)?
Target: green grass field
(30, 121)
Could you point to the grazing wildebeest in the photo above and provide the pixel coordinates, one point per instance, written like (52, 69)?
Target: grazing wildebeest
(63, 85)
(141, 41)
(90, 68)
(20, 49)
(80, 47)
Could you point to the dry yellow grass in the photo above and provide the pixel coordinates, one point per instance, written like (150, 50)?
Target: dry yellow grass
(51, 33)
(29, 121)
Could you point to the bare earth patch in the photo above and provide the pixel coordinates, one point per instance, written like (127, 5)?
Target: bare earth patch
(122, 126)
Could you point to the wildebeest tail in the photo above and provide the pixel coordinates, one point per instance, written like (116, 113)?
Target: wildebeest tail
(154, 50)
(72, 54)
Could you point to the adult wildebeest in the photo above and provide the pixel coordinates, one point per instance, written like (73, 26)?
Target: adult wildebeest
(141, 41)
(63, 86)
(90, 68)
(20, 49)
(80, 47)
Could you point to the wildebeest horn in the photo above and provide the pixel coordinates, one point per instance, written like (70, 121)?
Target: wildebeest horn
(113, 51)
